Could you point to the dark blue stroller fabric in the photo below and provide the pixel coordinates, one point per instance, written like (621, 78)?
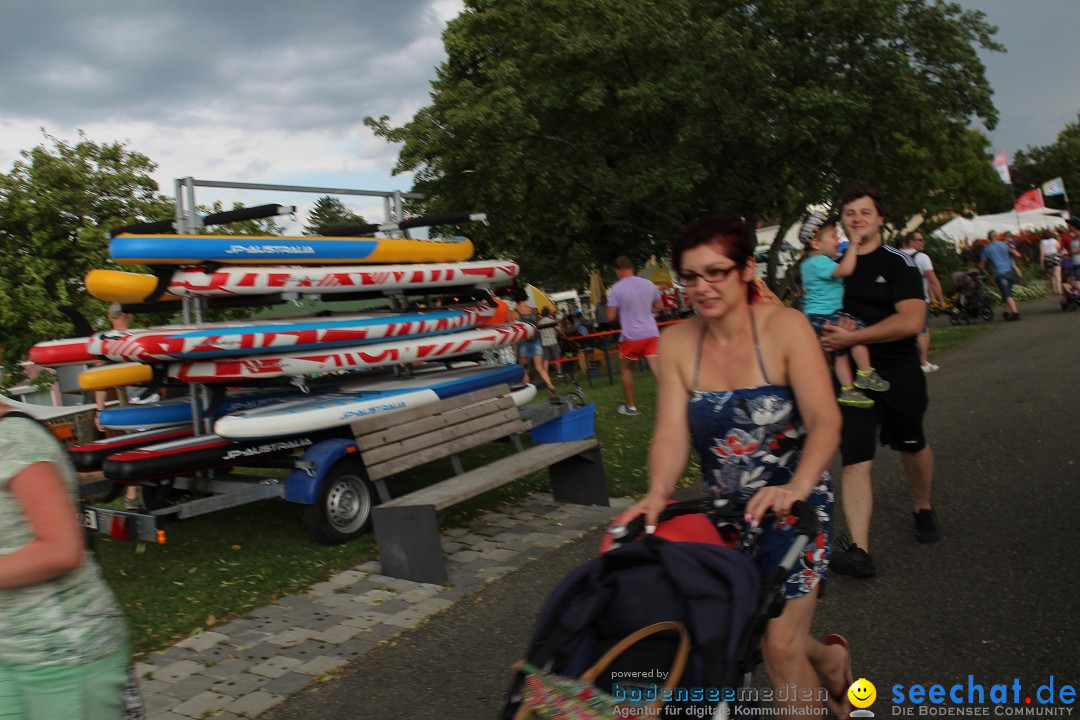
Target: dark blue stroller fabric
(713, 590)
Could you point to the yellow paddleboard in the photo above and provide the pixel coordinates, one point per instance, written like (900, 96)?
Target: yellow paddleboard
(104, 377)
(123, 287)
(273, 250)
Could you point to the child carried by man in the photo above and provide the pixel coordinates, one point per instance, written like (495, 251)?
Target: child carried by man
(823, 297)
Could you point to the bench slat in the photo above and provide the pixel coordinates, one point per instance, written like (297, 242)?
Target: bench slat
(394, 433)
(390, 467)
(379, 422)
(493, 475)
(507, 418)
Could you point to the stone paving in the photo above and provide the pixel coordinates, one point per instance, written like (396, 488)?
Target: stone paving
(247, 666)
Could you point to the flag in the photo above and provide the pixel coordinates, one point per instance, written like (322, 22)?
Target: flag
(1031, 200)
(1001, 164)
(596, 288)
(1053, 187)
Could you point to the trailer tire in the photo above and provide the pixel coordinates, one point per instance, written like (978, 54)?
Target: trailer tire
(342, 510)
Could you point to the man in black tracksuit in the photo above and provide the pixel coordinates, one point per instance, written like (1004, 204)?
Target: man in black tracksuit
(885, 292)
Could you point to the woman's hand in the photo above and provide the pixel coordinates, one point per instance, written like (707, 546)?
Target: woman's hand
(778, 498)
(650, 506)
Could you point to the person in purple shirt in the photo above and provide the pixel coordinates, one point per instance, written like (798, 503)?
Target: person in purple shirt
(634, 302)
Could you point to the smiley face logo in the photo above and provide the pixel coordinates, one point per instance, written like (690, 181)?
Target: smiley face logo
(862, 693)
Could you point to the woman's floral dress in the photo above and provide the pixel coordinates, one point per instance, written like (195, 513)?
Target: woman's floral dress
(750, 438)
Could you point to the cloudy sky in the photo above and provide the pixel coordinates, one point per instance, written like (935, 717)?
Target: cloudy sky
(252, 91)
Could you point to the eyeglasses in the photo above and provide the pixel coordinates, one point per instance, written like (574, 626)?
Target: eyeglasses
(711, 276)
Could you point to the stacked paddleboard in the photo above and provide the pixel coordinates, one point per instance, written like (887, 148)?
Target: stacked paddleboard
(265, 402)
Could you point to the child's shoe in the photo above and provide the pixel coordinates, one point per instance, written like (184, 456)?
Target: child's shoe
(854, 398)
(870, 380)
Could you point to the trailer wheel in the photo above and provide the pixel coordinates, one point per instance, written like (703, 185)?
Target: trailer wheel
(343, 508)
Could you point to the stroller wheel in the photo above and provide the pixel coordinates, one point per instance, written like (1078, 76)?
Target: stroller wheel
(986, 314)
(954, 317)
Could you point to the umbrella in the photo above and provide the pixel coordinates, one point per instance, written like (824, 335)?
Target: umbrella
(538, 299)
(596, 287)
(659, 274)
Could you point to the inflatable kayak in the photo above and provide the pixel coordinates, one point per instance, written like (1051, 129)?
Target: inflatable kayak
(178, 411)
(128, 287)
(203, 452)
(177, 342)
(359, 400)
(90, 456)
(316, 361)
(272, 250)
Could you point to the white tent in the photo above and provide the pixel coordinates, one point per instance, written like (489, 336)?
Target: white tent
(963, 231)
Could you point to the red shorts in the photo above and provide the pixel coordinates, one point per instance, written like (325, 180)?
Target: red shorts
(637, 349)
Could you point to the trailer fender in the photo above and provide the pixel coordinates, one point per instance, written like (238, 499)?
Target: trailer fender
(303, 483)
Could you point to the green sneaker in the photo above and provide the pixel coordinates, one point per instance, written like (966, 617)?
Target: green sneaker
(870, 380)
(854, 398)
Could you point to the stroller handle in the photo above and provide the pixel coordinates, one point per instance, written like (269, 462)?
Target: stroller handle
(719, 508)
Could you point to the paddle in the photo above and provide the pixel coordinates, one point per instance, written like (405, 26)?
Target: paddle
(258, 212)
(423, 221)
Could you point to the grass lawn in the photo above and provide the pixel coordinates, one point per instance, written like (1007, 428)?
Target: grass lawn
(943, 339)
(217, 566)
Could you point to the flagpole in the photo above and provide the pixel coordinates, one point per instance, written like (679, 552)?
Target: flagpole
(1065, 194)
(1016, 210)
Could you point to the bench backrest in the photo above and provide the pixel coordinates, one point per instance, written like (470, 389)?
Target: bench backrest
(403, 440)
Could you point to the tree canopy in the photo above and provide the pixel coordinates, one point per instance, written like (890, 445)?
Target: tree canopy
(57, 205)
(330, 212)
(599, 128)
(1061, 158)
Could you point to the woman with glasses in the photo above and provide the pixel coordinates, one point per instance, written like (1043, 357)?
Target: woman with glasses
(747, 383)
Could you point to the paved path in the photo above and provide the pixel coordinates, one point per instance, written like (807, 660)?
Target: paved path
(995, 599)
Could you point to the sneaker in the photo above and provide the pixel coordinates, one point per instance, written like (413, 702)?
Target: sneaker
(850, 559)
(926, 526)
(623, 410)
(870, 380)
(854, 398)
(930, 367)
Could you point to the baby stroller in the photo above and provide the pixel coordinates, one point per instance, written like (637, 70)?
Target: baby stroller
(1070, 297)
(971, 301)
(708, 589)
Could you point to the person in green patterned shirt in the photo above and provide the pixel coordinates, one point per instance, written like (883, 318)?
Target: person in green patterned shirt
(63, 641)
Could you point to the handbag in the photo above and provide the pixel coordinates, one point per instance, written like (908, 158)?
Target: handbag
(548, 696)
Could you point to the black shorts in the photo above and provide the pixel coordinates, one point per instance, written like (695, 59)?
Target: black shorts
(898, 413)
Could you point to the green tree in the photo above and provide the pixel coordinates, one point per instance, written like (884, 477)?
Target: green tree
(330, 212)
(57, 205)
(1035, 165)
(598, 128)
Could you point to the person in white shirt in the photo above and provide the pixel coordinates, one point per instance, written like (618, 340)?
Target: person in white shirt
(914, 244)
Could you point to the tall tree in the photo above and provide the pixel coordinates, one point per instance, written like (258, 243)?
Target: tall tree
(57, 205)
(597, 128)
(330, 212)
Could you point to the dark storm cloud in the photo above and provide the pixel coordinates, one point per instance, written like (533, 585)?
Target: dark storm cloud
(264, 65)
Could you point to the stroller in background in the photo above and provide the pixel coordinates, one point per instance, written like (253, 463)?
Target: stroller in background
(1070, 296)
(716, 592)
(971, 300)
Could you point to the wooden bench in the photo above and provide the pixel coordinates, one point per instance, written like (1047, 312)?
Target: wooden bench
(407, 528)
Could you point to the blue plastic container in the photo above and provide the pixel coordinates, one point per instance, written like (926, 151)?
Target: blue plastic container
(574, 425)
